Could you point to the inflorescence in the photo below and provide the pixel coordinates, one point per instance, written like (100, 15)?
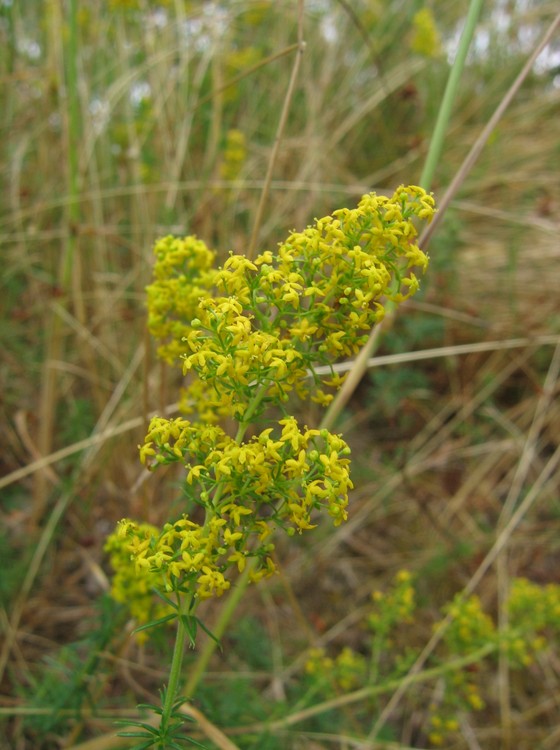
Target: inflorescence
(250, 335)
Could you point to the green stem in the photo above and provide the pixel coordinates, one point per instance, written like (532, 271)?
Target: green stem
(253, 406)
(434, 153)
(176, 664)
(226, 613)
(232, 601)
(436, 144)
(372, 690)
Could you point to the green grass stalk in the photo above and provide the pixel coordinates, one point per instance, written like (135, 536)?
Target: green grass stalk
(369, 691)
(444, 113)
(224, 618)
(472, 157)
(434, 152)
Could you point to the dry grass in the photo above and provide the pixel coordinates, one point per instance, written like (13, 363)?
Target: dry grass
(457, 477)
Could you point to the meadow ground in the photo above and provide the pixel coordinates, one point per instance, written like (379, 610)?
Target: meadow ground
(127, 121)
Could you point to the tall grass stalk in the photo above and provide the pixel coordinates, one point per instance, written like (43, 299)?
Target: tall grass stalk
(449, 95)
(436, 145)
(473, 155)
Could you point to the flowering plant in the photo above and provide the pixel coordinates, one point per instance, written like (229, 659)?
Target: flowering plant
(471, 641)
(250, 335)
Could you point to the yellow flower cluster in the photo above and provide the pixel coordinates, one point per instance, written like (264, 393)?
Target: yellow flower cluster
(534, 614)
(183, 551)
(462, 693)
(234, 156)
(250, 333)
(238, 61)
(349, 669)
(534, 622)
(183, 273)
(426, 39)
(256, 12)
(235, 359)
(440, 728)
(394, 607)
(129, 588)
(269, 322)
(533, 607)
(291, 473)
(346, 671)
(471, 628)
(274, 480)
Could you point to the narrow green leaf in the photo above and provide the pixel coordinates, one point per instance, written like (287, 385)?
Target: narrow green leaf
(184, 717)
(190, 625)
(145, 746)
(166, 599)
(194, 742)
(150, 707)
(154, 623)
(208, 632)
(148, 727)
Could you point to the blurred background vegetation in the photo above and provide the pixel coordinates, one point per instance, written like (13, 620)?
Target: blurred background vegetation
(124, 121)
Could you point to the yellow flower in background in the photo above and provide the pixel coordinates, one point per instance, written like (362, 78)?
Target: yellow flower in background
(183, 274)
(234, 155)
(470, 627)
(426, 39)
(257, 11)
(130, 585)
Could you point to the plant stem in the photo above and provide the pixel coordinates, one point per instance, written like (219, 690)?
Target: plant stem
(253, 406)
(436, 144)
(176, 663)
(478, 145)
(369, 691)
(434, 152)
(226, 613)
(236, 595)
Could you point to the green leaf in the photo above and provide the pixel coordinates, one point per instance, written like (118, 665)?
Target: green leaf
(184, 717)
(141, 724)
(150, 707)
(154, 623)
(208, 632)
(166, 599)
(194, 742)
(190, 624)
